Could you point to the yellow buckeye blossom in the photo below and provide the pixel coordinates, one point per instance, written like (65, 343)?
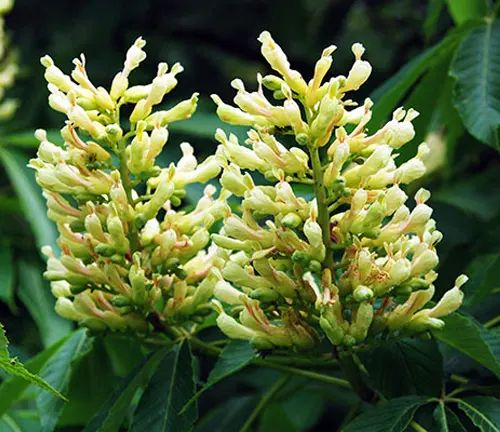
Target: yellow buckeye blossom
(129, 260)
(300, 269)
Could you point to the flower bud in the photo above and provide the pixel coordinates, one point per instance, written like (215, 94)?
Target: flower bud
(137, 280)
(362, 294)
(449, 303)
(55, 76)
(424, 262)
(277, 59)
(359, 72)
(65, 308)
(183, 110)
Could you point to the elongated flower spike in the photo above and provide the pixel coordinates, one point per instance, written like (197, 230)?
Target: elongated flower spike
(354, 262)
(129, 260)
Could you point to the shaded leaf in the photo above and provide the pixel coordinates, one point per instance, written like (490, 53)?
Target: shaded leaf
(235, 356)
(111, 415)
(484, 411)
(419, 370)
(6, 275)
(20, 421)
(274, 418)
(464, 10)
(229, 416)
(303, 409)
(28, 140)
(476, 68)
(57, 372)
(30, 194)
(392, 416)
(124, 353)
(471, 338)
(432, 17)
(35, 294)
(478, 195)
(388, 96)
(15, 367)
(447, 420)
(484, 276)
(91, 383)
(169, 389)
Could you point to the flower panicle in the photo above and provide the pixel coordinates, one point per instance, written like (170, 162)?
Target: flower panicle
(130, 260)
(350, 258)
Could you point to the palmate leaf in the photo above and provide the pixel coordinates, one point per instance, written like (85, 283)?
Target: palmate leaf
(484, 411)
(392, 416)
(472, 339)
(447, 420)
(171, 386)
(110, 417)
(14, 367)
(389, 95)
(476, 68)
(419, 371)
(235, 356)
(57, 372)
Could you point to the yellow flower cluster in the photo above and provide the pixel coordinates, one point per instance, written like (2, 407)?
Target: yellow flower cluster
(129, 260)
(353, 262)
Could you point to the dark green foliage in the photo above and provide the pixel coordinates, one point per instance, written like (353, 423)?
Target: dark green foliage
(441, 57)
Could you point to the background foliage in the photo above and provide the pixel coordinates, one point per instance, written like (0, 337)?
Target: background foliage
(440, 57)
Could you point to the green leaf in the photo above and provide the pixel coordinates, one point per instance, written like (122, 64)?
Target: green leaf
(484, 411)
(303, 409)
(57, 372)
(92, 382)
(6, 275)
(235, 356)
(419, 371)
(28, 140)
(170, 388)
(228, 416)
(465, 10)
(392, 416)
(35, 293)
(388, 96)
(476, 68)
(447, 420)
(20, 421)
(274, 419)
(432, 17)
(478, 195)
(472, 339)
(12, 388)
(484, 276)
(15, 367)
(111, 415)
(124, 353)
(32, 201)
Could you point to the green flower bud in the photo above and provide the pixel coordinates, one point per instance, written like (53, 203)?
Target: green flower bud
(362, 294)
(291, 220)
